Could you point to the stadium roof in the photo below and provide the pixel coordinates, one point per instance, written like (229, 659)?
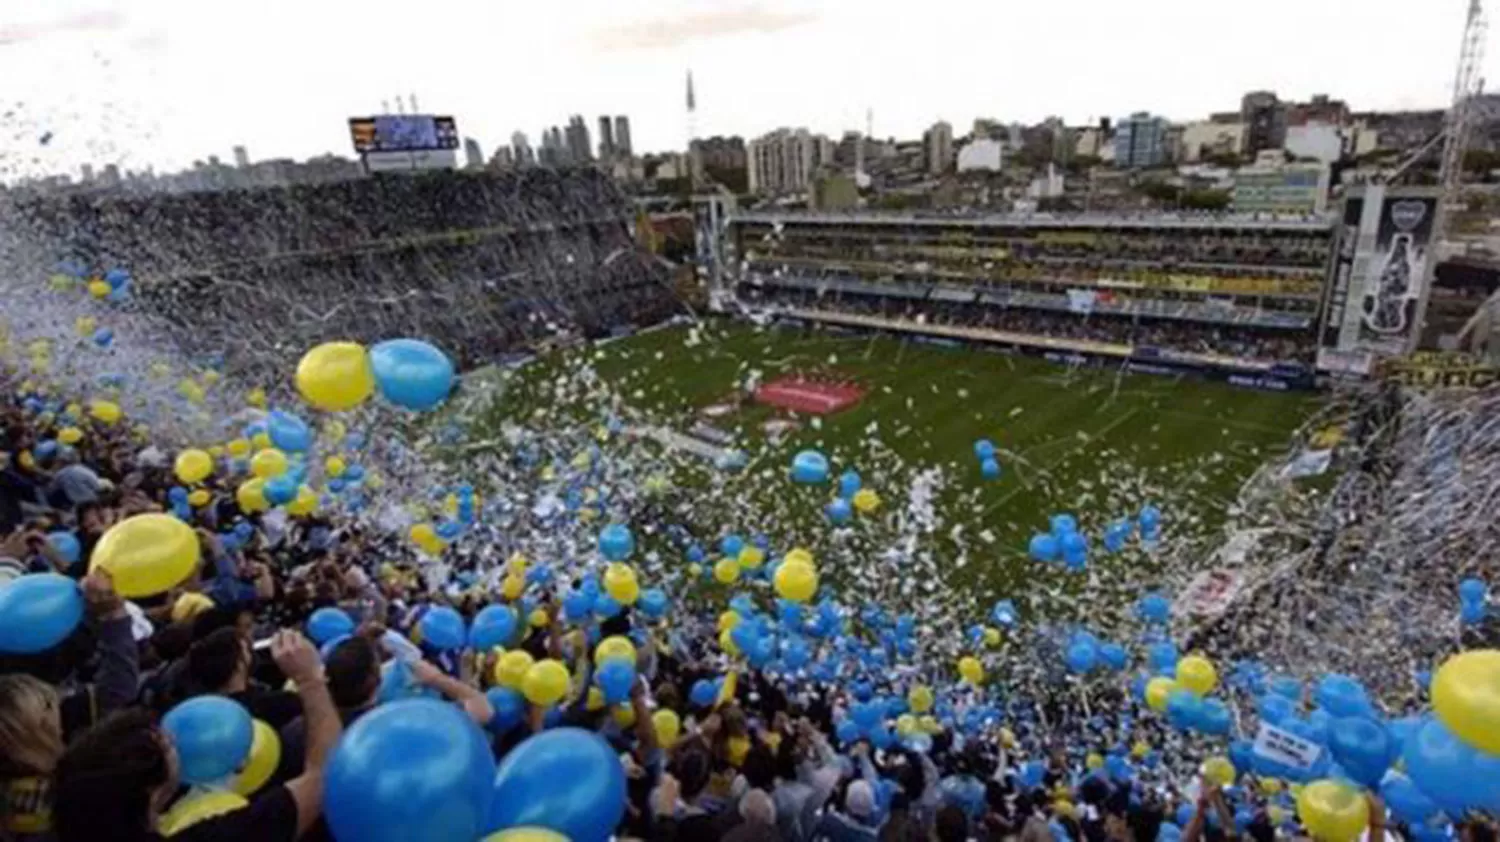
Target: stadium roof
(1007, 220)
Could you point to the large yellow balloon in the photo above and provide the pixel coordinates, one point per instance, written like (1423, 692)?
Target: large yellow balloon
(99, 289)
(251, 495)
(796, 580)
(193, 466)
(106, 411)
(334, 466)
(511, 669)
(616, 647)
(70, 435)
(751, 556)
(1157, 691)
(1219, 771)
(335, 376)
(546, 683)
(668, 727)
(1332, 811)
(920, 698)
(268, 463)
(261, 441)
(906, 725)
(238, 448)
(513, 587)
(525, 834)
(1197, 674)
(971, 670)
(726, 571)
(866, 500)
(265, 755)
(198, 805)
(422, 533)
(305, 503)
(1466, 697)
(620, 583)
(798, 555)
(147, 554)
(624, 715)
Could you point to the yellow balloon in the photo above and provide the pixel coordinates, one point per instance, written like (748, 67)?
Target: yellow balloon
(210, 377)
(920, 698)
(511, 669)
(421, 533)
(728, 620)
(216, 451)
(73, 409)
(1157, 691)
(189, 390)
(615, 647)
(1332, 811)
(1140, 749)
(906, 725)
(335, 431)
(525, 834)
(256, 397)
(147, 554)
(546, 683)
(261, 441)
(305, 503)
(251, 495)
(199, 497)
(335, 376)
(198, 805)
(1466, 698)
(866, 500)
(796, 580)
(512, 587)
(1197, 674)
(1094, 760)
(624, 715)
(751, 557)
(268, 463)
(798, 555)
(70, 435)
(98, 289)
(193, 466)
(105, 411)
(620, 583)
(85, 325)
(265, 755)
(991, 636)
(539, 618)
(726, 643)
(595, 699)
(1064, 808)
(1270, 786)
(334, 466)
(190, 605)
(695, 570)
(726, 571)
(668, 727)
(929, 725)
(1219, 771)
(238, 448)
(971, 670)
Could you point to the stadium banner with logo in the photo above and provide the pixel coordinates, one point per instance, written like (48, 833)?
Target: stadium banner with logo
(1441, 370)
(1378, 271)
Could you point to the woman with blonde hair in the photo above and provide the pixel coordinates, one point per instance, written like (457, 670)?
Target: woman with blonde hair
(30, 745)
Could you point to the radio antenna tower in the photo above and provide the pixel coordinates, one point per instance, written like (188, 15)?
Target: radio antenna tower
(692, 133)
(1467, 86)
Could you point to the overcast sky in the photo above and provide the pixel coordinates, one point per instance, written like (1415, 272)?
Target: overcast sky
(166, 81)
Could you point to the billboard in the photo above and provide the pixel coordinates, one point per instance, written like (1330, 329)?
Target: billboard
(403, 133)
(1377, 273)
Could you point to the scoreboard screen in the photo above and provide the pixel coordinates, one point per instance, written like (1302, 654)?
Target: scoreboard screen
(402, 133)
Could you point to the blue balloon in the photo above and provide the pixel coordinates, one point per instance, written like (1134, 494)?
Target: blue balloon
(1287, 687)
(1167, 832)
(615, 677)
(882, 737)
(116, 278)
(1451, 772)
(1472, 590)
(1363, 747)
(653, 603)
(567, 780)
(44, 450)
(288, 432)
(1004, 613)
(411, 373)
(1242, 755)
(1061, 524)
(577, 606)
(1162, 657)
(450, 529)
(849, 483)
(1082, 656)
(730, 546)
(606, 606)
(1114, 656)
(66, 545)
(327, 623)
(1214, 718)
(1149, 517)
(212, 735)
(353, 473)
(984, 449)
(615, 542)
(1044, 547)
(509, 706)
(1406, 800)
(412, 769)
(493, 626)
(796, 653)
(847, 731)
(989, 469)
(810, 467)
(704, 693)
(1342, 696)
(103, 337)
(443, 628)
(839, 510)
(37, 612)
(1472, 613)
(1275, 710)
(1184, 709)
(280, 490)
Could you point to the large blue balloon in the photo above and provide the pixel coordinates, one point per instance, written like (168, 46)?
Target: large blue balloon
(1274, 709)
(411, 373)
(280, 490)
(1363, 747)
(810, 467)
(493, 626)
(1472, 590)
(653, 603)
(1114, 656)
(1044, 547)
(984, 449)
(66, 545)
(615, 542)
(1406, 801)
(37, 612)
(1451, 772)
(1154, 608)
(417, 769)
(328, 623)
(1342, 696)
(288, 432)
(839, 510)
(849, 484)
(615, 677)
(1082, 656)
(989, 469)
(703, 693)
(1061, 524)
(1184, 709)
(509, 706)
(567, 780)
(212, 735)
(443, 628)
(1214, 718)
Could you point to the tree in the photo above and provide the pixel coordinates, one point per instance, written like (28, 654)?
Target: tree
(1209, 200)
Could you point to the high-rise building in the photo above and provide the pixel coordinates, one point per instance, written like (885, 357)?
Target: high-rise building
(1264, 117)
(88, 173)
(552, 153)
(520, 149)
(622, 137)
(241, 157)
(580, 150)
(1140, 141)
(606, 138)
(785, 160)
(938, 142)
(473, 155)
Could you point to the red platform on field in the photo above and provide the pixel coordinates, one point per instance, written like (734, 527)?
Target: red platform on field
(817, 397)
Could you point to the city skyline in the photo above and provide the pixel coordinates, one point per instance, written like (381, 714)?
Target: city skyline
(143, 84)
